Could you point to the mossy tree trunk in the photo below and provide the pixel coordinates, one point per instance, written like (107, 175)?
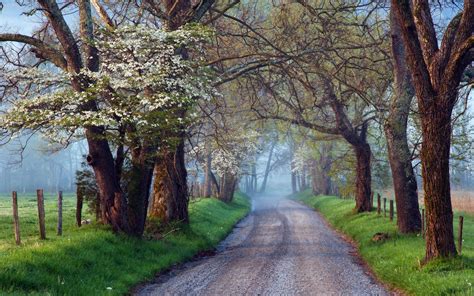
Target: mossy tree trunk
(404, 180)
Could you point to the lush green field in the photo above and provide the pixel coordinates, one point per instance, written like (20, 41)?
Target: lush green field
(93, 261)
(397, 260)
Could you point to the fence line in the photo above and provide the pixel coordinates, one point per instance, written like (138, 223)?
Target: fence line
(460, 237)
(17, 210)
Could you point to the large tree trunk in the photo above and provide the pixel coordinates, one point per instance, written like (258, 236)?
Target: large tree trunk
(435, 150)
(404, 180)
(293, 181)
(228, 184)
(436, 72)
(138, 190)
(113, 203)
(363, 178)
(321, 182)
(170, 189)
(267, 168)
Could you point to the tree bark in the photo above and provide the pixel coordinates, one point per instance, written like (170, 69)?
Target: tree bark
(363, 178)
(404, 180)
(138, 189)
(435, 152)
(321, 182)
(228, 184)
(170, 196)
(113, 204)
(294, 189)
(208, 172)
(170, 189)
(254, 179)
(303, 178)
(357, 137)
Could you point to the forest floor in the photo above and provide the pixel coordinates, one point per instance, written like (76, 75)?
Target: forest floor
(91, 260)
(281, 248)
(396, 261)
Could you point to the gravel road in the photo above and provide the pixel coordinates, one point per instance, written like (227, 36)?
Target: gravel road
(281, 248)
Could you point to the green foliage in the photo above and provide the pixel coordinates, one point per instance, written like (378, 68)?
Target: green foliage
(87, 188)
(89, 260)
(397, 260)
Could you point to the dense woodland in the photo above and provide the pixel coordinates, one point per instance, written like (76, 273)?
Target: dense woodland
(345, 97)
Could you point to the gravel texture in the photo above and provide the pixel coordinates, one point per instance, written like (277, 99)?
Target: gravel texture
(281, 248)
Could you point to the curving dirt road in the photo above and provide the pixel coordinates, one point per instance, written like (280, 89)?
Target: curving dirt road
(281, 248)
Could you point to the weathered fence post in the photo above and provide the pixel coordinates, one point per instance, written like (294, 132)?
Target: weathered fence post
(461, 222)
(16, 220)
(423, 223)
(385, 207)
(391, 210)
(60, 213)
(40, 200)
(378, 204)
(79, 209)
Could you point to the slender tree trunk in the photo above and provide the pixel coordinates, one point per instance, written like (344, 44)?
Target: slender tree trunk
(247, 184)
(298, 181)
(363, 178)
(208, 177)
(267, 169)
(303, 178)
(435, 150)
(254, 177)
(170, 191)
(293, 182)
(314, 176)
(214, 181)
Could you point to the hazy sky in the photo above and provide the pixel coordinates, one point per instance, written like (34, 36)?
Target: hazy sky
(12, 19)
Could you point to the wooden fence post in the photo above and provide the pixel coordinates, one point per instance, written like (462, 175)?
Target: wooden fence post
(391, 210)
(79, 209)
(378, 204)
(461, 222)
(385, 207)
(60, 213)
(40, 200)
(16, 220)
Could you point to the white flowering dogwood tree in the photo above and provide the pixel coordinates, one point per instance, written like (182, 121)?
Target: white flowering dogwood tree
(142, 77)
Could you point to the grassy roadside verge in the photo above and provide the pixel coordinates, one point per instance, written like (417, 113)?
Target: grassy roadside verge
(93, 261)
(396, 261)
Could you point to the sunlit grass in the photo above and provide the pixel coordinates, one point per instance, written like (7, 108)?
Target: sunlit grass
(397, 260)
(93, 261)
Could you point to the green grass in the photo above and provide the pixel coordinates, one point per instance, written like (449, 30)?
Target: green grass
(397, 260)
(93, 261)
